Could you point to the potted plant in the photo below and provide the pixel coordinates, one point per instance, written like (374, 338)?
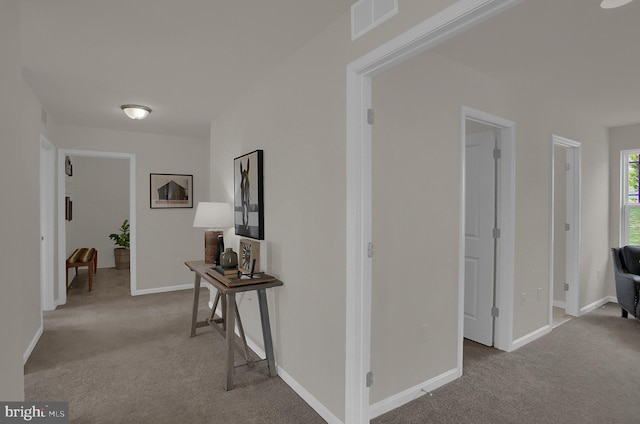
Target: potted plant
(121, 254)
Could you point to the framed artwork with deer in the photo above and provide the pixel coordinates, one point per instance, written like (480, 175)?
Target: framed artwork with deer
(248, 196)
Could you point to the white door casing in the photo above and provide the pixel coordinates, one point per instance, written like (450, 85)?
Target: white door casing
(573, 213)
(458, 17)
(47, 223)
(62, 239)
(479, 239)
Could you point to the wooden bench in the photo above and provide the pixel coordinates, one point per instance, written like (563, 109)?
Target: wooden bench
(83, 257)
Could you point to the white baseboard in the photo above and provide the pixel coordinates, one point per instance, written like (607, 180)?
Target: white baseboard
(297, 387)
(598, 303)
(547, 329)
(397, 400)
(314, 403)
(516, 344)
(32, 345)
(162, 289)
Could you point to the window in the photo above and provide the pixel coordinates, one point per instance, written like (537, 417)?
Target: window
(631, 197)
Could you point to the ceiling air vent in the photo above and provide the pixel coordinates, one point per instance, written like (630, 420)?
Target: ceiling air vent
(367, 14)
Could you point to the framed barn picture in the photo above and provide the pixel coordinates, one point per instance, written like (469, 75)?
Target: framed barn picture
(170, 191)
(248, 196)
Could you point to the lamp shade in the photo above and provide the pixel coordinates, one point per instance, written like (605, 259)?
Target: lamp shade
(213, 215)
(136, 111)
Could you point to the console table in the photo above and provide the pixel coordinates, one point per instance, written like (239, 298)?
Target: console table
(225, 325)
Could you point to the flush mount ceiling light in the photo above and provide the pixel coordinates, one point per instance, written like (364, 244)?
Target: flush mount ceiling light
(136, 111)
(611, 4)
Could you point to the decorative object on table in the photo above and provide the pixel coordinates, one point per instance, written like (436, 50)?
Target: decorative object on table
(68, 208)
(214, 217)
(170, 191)
(68, 167)
(229, 259)
(248, 195)
(249, 262)
(122, 254)
(230, 273)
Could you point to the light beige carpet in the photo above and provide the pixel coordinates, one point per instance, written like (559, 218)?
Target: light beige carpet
(123, 359)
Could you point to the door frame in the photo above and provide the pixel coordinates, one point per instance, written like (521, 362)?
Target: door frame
(505, 219)
(458, 17)
(574, 206)
(47, 223)
(62, 236)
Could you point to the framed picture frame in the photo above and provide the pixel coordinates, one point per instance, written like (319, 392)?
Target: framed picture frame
(68, 166)
(170, 191)
(249, 251)
(248, 195)
(68, 208)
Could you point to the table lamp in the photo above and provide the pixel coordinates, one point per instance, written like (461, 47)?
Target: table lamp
(214, 217)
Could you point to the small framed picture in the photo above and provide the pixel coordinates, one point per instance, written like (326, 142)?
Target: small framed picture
(68, 208)
(68, 167)
(249, 257)
(170, 191)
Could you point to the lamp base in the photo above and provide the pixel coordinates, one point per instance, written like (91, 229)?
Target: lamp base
(211, 246)
(219, 249)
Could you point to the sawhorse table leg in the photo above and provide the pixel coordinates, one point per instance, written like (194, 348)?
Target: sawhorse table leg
(266, 332)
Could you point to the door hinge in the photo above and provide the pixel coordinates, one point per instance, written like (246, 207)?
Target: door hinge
(567, 227)
(566, 286)
(495, 312)
(567, 166)
(497, 153)
(370, 117)
(369, 379)
(496, 233)
(370, 250)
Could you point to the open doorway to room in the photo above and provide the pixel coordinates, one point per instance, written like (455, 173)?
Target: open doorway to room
(95, 198)
(565, 249)
(489, 214)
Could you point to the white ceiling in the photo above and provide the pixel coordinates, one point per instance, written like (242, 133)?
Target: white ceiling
(190, 59)
(562, 48)
(186, 59)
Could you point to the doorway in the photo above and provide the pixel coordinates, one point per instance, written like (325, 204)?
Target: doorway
(565, 231)
(481, 201)
(486, 280)
(359, 228)
(62, 239)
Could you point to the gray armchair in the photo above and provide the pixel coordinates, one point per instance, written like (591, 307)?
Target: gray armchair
(626, 266)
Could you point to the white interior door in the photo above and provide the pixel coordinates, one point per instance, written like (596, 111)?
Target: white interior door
(480, 218)
(560, 226)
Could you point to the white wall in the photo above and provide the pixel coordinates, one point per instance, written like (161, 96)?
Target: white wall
(416, 190)
(165, 237)
(14, 161)
(297, 115)
(99, 189)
